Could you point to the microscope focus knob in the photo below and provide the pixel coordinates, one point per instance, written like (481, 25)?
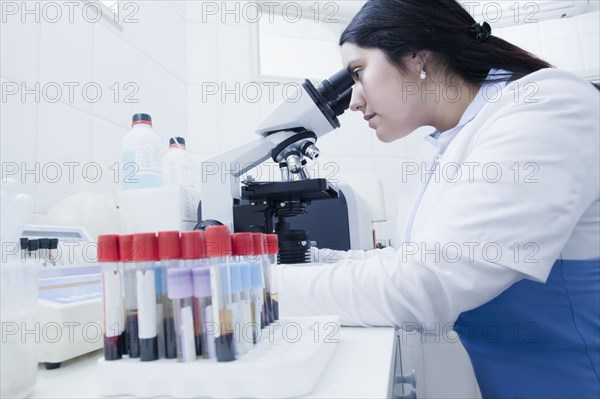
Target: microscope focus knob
(311, 151)
(294, 162)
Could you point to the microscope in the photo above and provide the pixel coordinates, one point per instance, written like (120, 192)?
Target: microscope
(288, 137)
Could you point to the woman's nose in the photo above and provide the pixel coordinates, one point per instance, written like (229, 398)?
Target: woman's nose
(357, 101)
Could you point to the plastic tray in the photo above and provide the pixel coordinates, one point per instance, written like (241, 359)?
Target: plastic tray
(287, 362)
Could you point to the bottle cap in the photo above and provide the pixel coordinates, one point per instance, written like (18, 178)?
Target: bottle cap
(23, 241)
(218, 241)
(179, 283)
(242, 244)
(201, 277)
(33, 245)
(141, 118)
(180, 141)
(53, 244)
(246, 276)
(235, 274)
(257, 279)
(44, 243)
(108, 248)
(259, 246)
(126, 248)
(272, 244)
(145, 247)
(169, 245)
(193, 244)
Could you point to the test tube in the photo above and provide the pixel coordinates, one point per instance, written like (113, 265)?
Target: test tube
(146, 255)
(249, 326)
(126, 253)
(259, 250)
(44, 247)
(257, 294)
(235, 275)
(193, 251)
(180, 290)
(218, 246)
(33, 247)
(23, 242)
(202, 309)
(114, 308)
(272, 249)
(243, 252)
(169, 253)
(53, 251)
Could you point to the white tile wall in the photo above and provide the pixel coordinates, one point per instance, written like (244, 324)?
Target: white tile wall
(106, 143)
(19, 59)
(203, 121)
(113, 70)
(18, 124)
(202, 51)
(569, 43)
(64, 138)
(66, 57)
(150, 53)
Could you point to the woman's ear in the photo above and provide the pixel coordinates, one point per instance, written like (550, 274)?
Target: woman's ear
(419, 61)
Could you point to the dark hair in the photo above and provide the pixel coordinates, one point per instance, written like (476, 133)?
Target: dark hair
(403, 27)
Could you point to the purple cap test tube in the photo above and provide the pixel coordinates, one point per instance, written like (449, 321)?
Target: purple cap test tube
(180, 289)
(202, 312)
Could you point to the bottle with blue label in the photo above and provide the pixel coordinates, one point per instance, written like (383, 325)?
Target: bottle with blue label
(141, 157)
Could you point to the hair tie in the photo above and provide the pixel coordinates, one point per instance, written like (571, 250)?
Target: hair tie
(481, 32)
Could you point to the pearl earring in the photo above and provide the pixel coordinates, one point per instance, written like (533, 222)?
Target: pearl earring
(423, 74)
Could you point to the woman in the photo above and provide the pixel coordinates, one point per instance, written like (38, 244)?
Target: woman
(507, 240)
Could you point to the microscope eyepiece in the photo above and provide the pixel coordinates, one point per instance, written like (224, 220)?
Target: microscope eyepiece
(342, 103)
(332, 96)
(334, 90)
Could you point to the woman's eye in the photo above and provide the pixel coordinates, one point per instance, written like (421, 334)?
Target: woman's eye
(357, 73)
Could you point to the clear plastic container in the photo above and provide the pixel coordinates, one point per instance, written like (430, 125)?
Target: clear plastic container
(141, 155)
(19, 299)
(178, 166)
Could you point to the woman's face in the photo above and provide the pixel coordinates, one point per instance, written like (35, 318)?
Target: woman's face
(389, 100)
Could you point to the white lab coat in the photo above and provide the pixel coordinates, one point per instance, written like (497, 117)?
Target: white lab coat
(527, 194)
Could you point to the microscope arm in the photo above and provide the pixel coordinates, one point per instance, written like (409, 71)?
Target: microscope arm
(309, 115)
(220, 183)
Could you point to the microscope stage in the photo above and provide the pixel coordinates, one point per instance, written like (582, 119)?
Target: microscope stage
(297, 190)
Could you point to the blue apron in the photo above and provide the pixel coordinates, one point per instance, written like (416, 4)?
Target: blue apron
(539, 340)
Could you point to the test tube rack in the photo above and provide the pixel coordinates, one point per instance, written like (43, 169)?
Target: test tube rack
(288, 361)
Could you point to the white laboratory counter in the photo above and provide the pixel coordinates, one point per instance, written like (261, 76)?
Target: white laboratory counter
(359, 368)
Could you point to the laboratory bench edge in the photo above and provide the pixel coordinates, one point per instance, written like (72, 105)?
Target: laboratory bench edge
(361, 367)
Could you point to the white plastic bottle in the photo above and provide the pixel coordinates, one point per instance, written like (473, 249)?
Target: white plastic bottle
(141, 155)
(178, 167)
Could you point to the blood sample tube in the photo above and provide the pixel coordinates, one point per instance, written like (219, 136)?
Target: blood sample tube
(235, 275)
(202, 310)
(169, 253)
(180, 290)
(272, 249)
(257, 295)
(243, 253)
(259, 250)
(193, 248)
(126, 252)
(218, 246)
(146, 255)
(249, 325)
(114, 308)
